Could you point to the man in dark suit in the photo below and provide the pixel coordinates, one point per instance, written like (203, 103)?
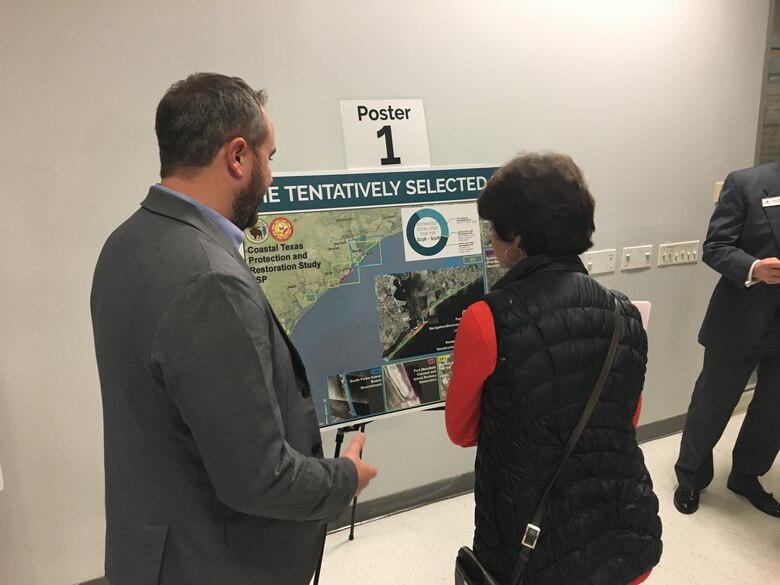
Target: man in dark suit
(214, 467)
(741, 331)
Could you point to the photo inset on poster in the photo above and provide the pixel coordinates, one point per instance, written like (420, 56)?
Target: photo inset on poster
(485, 230)
(365, 391)
(338, 399)
(355, 395)
(419, 312)
(493, 270)
(410, 384)
(444, 363)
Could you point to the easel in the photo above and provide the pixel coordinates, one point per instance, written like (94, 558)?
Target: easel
(339, 441)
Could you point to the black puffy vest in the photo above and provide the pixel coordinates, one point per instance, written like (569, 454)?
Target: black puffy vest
(553, 327)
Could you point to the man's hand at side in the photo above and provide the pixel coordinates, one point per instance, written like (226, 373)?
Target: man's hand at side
(365, 471)
(768, 270)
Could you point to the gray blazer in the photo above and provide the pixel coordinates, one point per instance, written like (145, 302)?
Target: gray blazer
(213, 457)
(741, 231)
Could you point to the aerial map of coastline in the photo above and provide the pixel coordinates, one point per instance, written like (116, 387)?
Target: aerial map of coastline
(419, 311)
(323, 251)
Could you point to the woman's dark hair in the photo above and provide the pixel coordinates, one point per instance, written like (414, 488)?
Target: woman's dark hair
(542, 198)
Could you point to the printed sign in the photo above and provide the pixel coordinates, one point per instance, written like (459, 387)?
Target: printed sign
(373, 318)
(384, 133)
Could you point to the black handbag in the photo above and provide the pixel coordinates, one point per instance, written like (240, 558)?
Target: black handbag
(468, 569)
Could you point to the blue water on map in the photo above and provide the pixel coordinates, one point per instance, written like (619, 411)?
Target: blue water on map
(340, 333)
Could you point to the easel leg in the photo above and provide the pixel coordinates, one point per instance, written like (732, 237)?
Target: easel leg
(354, 500)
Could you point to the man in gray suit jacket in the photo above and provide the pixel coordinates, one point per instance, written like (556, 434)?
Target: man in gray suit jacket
(741, 331)
(214, 466)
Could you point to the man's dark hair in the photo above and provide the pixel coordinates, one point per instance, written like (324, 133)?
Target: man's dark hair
(197, 115)
(544, 199)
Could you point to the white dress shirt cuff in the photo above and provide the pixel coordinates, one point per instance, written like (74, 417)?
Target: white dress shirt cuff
(750, 280)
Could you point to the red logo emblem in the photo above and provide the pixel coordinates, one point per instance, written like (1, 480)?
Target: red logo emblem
(281, 229)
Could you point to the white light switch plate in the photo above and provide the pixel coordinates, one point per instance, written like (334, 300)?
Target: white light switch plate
(636, 257)
(599, 261)
(678, 253)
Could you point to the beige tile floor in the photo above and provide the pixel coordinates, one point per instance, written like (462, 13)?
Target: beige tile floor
(727, 541)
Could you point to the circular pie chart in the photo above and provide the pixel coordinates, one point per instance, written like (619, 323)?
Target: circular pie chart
(418, 246)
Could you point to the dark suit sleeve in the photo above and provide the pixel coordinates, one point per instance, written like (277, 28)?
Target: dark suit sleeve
(213, 353)
(722, 250)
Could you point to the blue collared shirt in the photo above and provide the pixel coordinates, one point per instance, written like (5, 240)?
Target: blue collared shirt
(226, 226)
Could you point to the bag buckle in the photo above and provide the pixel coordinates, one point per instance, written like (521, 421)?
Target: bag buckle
(531, 536)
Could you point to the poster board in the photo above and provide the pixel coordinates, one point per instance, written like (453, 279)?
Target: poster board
(369, 274)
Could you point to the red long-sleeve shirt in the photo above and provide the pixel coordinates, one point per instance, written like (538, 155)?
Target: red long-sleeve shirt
(474, 359)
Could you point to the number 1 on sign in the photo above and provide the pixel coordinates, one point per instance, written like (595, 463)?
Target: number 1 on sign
(390, 159)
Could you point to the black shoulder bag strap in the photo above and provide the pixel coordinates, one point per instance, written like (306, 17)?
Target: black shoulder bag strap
(532, 530)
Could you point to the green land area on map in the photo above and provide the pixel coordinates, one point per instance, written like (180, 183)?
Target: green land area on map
(323, 253)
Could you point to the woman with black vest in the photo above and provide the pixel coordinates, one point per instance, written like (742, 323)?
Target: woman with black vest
(526, 361)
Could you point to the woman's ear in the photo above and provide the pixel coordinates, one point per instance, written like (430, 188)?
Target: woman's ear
(517, 241)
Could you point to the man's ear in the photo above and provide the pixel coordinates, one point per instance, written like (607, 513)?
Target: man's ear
(236, 153)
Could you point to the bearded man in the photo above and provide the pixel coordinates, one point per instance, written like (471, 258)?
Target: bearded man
(213, 458)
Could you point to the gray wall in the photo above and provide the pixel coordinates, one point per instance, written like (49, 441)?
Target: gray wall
(656, 99)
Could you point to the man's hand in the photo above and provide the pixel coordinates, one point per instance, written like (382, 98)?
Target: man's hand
(768, 271)
(365, 471)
